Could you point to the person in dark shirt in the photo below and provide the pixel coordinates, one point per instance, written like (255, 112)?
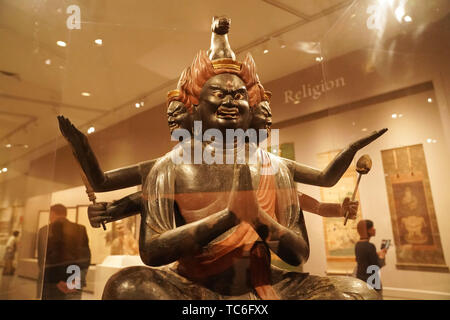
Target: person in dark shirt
(62, 246)
(369, 261)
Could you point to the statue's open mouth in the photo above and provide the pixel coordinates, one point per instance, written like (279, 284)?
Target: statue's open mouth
(173, 125)
(227, 113)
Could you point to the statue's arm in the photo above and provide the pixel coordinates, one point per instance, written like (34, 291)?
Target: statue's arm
(286, 243)
(158, 249)
(289, 245)
(325, 209)
(334, 171)
(104, 212)
(100, 181)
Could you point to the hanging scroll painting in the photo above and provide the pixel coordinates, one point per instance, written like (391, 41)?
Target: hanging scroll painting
(416, 233)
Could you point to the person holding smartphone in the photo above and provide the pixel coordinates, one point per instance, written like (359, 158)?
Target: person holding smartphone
(369, 261)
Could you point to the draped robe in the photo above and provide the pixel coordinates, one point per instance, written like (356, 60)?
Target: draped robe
(276, 194)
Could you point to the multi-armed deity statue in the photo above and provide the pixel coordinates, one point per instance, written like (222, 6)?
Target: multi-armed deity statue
(208, 228)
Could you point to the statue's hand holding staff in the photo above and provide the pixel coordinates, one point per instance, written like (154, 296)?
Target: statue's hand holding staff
(98, 214)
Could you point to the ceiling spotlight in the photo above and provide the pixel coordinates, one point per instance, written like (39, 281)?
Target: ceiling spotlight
(318, 59)
(283, 46)
(407, 19)
(429, 140)
(98, 42)
(137, 105)
(434, 140)
(86, 94)
(394, 116)
(430, 100)
(48, 62)
(400, 115)
(5, 169)
(8, 145)
(266, 51)
(364, 129)
(400, 13)
(142, 103)
(91, 130)
(61, 43)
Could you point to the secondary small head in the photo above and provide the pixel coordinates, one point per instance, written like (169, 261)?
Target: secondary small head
(178, 117)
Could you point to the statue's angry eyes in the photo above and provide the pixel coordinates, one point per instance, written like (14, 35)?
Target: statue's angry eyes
(220, 93)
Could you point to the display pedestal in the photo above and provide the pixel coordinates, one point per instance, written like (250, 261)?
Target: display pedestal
(108, 267)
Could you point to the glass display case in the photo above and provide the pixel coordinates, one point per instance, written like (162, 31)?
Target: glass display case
(334, 71)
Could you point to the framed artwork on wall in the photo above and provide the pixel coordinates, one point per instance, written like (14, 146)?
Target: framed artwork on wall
(340, 240)
(416, 233)
(5, 224)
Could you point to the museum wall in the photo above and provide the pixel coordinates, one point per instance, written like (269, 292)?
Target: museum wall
(378, 92)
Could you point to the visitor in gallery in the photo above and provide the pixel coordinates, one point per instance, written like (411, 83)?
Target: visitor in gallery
(10, 253)
(63, 257)
(368, 260)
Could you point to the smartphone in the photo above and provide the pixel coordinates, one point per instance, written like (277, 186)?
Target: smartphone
(385, 244)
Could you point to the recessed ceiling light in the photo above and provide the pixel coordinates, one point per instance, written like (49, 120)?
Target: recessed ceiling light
(91, 130)
(8, 145)
(318, 59)
(283, 46)
(394, 116)
(265, 51)
(364, 129)
(399, 13)
(61, 43)
(400, 115)
(142, 103)
(429, 140)
(137, 105)
(430, 100)
(48, 62)
(434, 140)
(86, 94)
(5, 169)
(98, 42)
(25, 146)
(407, 19)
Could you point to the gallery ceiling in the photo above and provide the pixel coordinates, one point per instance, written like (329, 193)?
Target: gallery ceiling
(144, 47)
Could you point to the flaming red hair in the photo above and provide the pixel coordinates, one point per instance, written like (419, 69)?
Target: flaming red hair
(194, 77)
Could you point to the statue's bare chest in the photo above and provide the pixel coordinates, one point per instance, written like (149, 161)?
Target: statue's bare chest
(201, 190)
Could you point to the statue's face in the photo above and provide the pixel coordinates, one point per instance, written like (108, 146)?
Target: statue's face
(178, 116)
(223, 103)
(262, 116)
